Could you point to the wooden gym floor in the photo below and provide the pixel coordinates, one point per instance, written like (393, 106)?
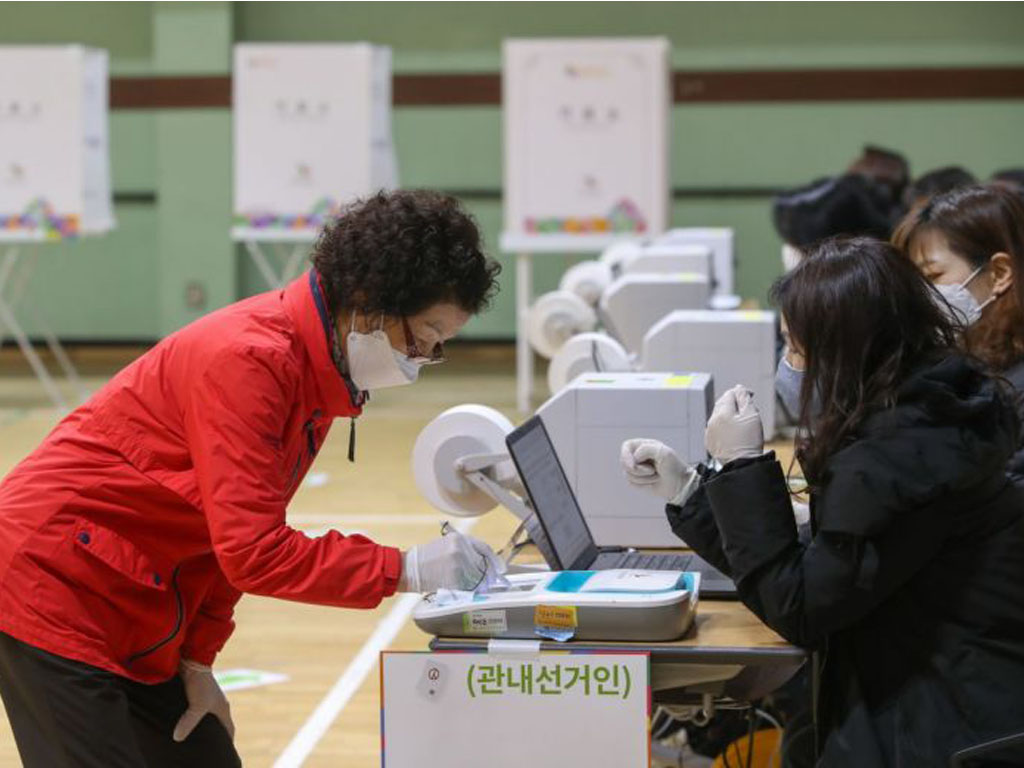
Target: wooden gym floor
(313, 646)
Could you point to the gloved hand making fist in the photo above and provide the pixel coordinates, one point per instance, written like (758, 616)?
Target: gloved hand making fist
(653, 466)
(204, 697)
(734, 429)
(452, 561)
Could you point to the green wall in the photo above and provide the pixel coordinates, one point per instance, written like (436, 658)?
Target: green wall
(132, 283)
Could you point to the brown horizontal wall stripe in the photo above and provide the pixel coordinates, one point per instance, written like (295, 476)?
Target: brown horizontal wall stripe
(849, 85)
(484, 89)
(184, 92)
(446, 90)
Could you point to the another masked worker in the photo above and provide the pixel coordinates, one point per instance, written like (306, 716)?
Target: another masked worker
(911, 589)
(128, 536)
(969, 244)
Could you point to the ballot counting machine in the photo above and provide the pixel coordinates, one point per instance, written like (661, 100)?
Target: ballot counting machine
(735, 347)
(576, 307)
(635, 302)
(720, 240)
(668, 259)
(618, 604)
(462, 467)
(589, 420)
(628, 308)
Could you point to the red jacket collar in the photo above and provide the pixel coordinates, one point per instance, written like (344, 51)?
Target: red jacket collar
(305, 304)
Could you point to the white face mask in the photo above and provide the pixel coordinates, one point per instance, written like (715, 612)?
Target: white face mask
(791, 257)
(961, 306)
(374, 364)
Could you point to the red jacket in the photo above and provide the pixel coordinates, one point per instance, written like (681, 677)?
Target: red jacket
(128, 536)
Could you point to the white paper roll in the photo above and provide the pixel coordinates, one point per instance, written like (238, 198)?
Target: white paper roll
(461, 431)
(586, 353)
(616, 254)
(588, 279)
(555, 318)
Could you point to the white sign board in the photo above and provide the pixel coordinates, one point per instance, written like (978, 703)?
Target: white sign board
(312, 132)
(466, 710)
(54, 157)
(586, 136)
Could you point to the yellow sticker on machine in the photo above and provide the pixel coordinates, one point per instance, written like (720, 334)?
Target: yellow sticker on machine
(752, 314)
(555, 616)
(679, 381)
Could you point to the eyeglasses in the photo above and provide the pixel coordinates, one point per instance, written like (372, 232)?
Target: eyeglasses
(413, 352)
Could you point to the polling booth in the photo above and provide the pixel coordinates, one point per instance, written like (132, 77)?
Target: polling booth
(54, 178)
(312, 132)
(586, 154)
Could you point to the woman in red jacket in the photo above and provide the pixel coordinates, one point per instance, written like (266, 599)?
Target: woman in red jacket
(128, 536)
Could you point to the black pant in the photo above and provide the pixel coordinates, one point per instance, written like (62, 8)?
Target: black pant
(66, 714)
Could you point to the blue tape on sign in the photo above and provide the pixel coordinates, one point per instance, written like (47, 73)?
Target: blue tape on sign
(554, 633)
(569, 581)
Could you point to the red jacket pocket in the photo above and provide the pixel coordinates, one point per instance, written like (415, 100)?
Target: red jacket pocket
(120, 554)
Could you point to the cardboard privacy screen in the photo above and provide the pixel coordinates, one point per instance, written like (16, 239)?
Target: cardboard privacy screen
(312, 132)
(586, 136)
(54, 159)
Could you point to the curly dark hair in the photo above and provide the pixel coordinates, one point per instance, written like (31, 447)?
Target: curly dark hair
(403, 251)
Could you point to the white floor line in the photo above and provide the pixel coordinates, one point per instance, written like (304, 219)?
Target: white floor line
(327, 711)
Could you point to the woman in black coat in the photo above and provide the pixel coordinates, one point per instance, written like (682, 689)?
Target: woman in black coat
(911, 588)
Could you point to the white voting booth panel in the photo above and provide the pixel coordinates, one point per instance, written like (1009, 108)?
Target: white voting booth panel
(509, 710)
(588, 421)
(312, 132)
(735, 347)
(723, 255)
(634, 303)
(54, 179)
(54, 159)
(586, 140)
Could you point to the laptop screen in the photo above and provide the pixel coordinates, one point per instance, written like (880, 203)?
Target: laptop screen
(551, 495)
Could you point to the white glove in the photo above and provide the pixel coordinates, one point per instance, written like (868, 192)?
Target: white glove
(204, 697)
(734, 429)
(653, 466)
(452, 561)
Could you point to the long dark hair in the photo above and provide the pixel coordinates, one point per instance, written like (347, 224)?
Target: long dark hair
(864, 318)
(978, 222)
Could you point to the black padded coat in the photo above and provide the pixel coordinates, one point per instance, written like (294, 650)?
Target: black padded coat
(911, 589)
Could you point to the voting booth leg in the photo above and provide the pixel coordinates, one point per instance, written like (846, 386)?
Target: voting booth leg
(293, 266)
(292, 262)
(524, 355)
(43, 327)
(8, 322)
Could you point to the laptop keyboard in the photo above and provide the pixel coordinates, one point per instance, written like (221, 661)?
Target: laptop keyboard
(648, 562)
